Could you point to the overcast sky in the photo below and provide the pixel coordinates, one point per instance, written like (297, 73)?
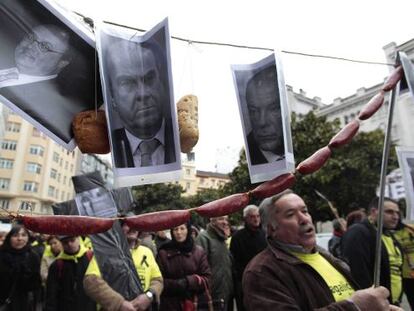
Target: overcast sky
(349, 29)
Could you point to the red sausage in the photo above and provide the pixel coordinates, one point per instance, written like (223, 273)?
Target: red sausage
(224, 206)
(158, 220)
(274, 186)
(66, 224)
(345, 135)
(315, 161)
(372, 106)
(393, 79)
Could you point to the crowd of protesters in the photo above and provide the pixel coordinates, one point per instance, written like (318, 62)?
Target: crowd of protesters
(271, 263)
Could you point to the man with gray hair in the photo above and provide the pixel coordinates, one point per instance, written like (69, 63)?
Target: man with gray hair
(245, 244)
(292, 273)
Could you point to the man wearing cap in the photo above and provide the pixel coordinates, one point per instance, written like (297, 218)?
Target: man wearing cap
(64, 286)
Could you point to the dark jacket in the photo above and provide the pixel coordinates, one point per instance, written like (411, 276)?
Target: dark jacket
(123, 153)
(277, 280)
(23, 269)
(358, 249)
(179, 270)
(245, 244)
(64, 287)
(219, 259)
(334, 245)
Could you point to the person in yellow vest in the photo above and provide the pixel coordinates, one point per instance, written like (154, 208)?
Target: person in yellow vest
(294, 273)
(404, 234)
(148, 272)
(358, 247)
(52, 251)
(87, 242)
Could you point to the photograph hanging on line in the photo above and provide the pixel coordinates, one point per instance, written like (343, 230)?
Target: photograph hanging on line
(262, 99)
(47, 67)
(408, 73)
(406, 162)
(97, 202)
(138, 92)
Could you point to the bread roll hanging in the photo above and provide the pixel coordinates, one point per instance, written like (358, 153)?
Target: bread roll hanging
(187, 110)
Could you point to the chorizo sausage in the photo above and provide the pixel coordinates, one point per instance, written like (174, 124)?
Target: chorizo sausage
(372, 106)
(157, 221)
(345, 135)
(224, 206)
(315, 161)
(274, 186)
(66, 224)
(393, 79)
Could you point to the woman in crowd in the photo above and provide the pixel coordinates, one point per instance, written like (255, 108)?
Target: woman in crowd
(19, 271)
(185, 270)
(51, 252)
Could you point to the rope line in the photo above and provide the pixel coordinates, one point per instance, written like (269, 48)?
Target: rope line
(191, 41)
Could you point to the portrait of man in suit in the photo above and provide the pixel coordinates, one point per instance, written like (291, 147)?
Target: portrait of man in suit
(265, 140)
(41, 54)
(47, 68)
(139, 96)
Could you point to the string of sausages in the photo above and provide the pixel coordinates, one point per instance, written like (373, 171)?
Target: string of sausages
(156, 221)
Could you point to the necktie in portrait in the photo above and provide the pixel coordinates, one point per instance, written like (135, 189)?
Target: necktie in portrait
(147, 148)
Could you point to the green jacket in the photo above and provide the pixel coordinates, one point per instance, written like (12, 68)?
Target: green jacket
(219, 259)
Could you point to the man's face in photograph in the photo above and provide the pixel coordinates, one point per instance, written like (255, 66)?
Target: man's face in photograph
(41, 51)
(264, 111)
(136, 87)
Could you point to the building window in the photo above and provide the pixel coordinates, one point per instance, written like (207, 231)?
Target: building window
(53, 173)
(33, 167)
(187, 171)
(4, 203)
(30, 186)
(4, 183)
(6, 163)
(51, 191)
(64, 180)
(71, 168)
(37, 133)
(66, 165)
(36, 150)
(57, 194)
(56, 157)
(187, 186)
(9, 145)
(27, 206)
(58, 177)
(62, 196)
(13, 127)
(60, 162)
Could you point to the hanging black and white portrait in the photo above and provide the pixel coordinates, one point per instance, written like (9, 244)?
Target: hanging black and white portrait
(47, 67)
(138, 90)
(263, 109)
(406, 162)
(408, 80)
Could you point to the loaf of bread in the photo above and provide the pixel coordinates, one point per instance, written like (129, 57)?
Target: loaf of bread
(187, 110)
(91, 133)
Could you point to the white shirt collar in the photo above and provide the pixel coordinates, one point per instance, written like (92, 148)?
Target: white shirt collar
(24, 79)
(271, 157)
(135, 141)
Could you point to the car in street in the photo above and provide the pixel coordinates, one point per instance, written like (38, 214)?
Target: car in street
(322, 239)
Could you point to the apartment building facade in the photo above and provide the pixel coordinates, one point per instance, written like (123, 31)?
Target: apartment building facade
(35, 172)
